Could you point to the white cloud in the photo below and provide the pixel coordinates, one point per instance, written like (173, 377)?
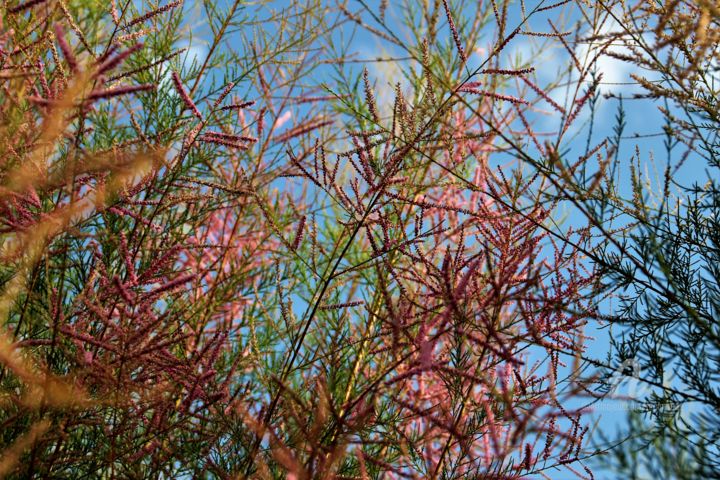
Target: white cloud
(615, 73)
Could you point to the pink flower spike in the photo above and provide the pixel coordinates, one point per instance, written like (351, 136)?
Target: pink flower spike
(225, 93)
(455, 34)
(223, 141)
(337, 306)
(24, 6)
(65, 48)
(184, 95)
(238, 106)
(115, 92)
(299, 234)
(497, 96)
(152, 13)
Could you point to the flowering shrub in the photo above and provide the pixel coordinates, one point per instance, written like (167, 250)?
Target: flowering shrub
(210, 268)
